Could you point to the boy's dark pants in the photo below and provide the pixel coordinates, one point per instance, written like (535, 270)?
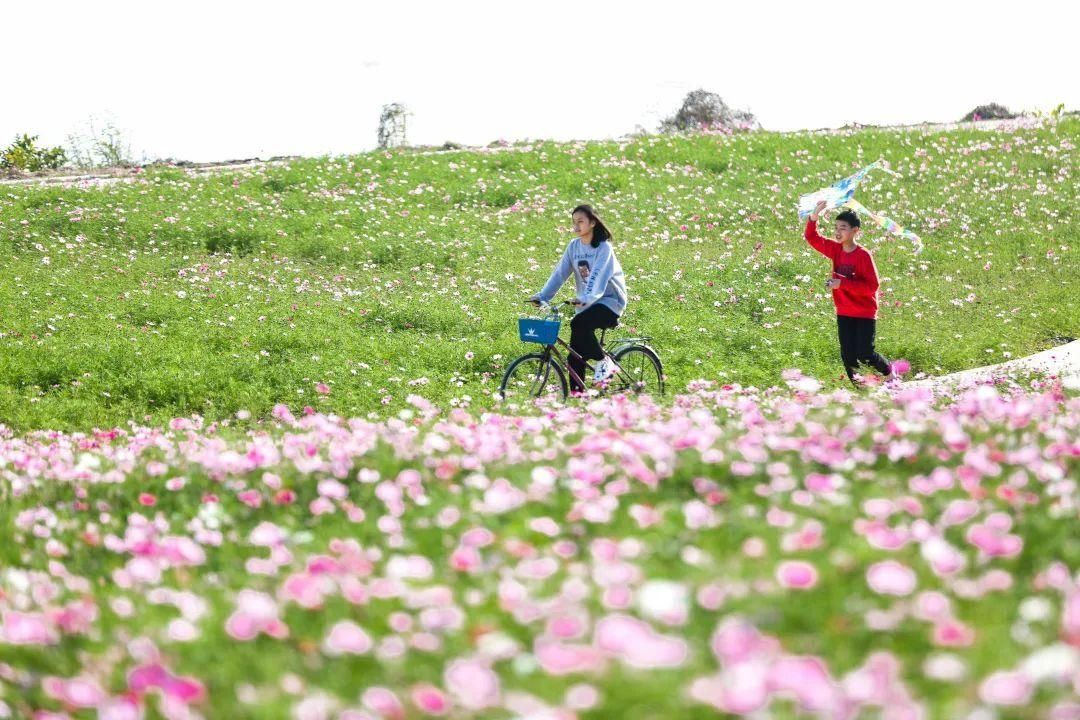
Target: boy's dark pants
(857, 345)
(583, 338)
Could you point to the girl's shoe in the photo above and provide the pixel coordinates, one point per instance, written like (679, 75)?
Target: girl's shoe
(604, 370)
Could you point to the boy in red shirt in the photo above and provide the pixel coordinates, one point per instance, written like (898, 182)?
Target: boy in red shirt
(854, 285)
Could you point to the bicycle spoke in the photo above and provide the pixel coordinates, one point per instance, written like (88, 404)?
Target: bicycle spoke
(640, 372)
(532, 377)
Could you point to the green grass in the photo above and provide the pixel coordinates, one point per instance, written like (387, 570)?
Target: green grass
(175, 294)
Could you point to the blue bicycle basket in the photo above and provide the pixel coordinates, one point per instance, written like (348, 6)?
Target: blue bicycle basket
(542, 331)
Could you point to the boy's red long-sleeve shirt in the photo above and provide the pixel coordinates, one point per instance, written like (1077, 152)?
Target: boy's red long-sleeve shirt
(857, 294)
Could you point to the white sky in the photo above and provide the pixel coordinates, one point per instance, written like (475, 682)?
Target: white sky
(203, 80)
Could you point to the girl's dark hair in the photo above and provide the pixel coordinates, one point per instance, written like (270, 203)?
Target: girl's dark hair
(600, 233)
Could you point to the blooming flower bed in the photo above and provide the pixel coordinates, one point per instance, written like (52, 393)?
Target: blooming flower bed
(768, 553)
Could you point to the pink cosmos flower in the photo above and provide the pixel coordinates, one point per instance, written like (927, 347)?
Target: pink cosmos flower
(582, 697)
(1070, 618)
(1006, 688)
(736, 641)
(430, 700)
(635, 643)
(933, 606)
(993, 541)
(18, 628)
(347, 637)
(820, 483)
(740, 689)
(891, 578)
(155, 676)
(383, 702)
(78, 692)
(465, 559)
(266, 534)
(558, 658)
(952, 633)
(256, 613)
(502, 497)
(796, 575)
(307, 589)
(808, 680)
(475, 685)
(544, 526)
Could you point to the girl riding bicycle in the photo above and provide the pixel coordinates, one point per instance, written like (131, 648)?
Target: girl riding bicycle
(600, 291)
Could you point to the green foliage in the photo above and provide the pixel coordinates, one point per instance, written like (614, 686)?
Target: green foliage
(25, 154)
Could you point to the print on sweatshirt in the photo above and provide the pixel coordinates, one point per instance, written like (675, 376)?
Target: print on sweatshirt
(598, 276)
(847, 270)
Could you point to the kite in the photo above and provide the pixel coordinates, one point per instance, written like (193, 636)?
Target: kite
(842, 194)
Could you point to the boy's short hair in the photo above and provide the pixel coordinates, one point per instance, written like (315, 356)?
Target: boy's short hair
(849, 217)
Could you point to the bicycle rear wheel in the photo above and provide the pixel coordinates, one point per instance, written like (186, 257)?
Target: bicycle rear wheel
(640, 371)
(535, 375)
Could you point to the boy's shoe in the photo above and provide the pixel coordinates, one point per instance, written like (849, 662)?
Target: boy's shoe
(604, 370)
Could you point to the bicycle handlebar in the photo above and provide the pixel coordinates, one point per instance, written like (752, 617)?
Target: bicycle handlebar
(544, 304)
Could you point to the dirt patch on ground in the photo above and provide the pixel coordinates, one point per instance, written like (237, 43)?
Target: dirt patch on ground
(117, 174)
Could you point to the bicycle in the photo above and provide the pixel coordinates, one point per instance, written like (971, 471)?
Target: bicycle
(544, 373)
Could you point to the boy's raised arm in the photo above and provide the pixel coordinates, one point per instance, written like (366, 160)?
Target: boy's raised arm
(824, 246)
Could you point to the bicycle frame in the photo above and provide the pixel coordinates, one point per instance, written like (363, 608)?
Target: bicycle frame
(550, 350)
(576, 379)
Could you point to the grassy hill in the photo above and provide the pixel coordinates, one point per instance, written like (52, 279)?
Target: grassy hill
(387, 274)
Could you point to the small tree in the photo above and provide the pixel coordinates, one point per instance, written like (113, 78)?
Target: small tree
(703, 110)
(993, 111)
(102, 144)
(392, 126)
(25, 154)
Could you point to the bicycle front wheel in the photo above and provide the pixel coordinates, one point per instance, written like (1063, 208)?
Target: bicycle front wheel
(535, 375)
(640, 371)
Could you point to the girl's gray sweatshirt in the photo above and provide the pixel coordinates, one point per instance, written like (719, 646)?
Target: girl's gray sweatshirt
(598, 276)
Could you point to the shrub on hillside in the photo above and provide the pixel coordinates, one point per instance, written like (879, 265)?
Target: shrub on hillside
(705, 111)
(993, 111)
(25, 154)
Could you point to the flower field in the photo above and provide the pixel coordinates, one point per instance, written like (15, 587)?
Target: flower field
(795, 552)
(251, 465)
